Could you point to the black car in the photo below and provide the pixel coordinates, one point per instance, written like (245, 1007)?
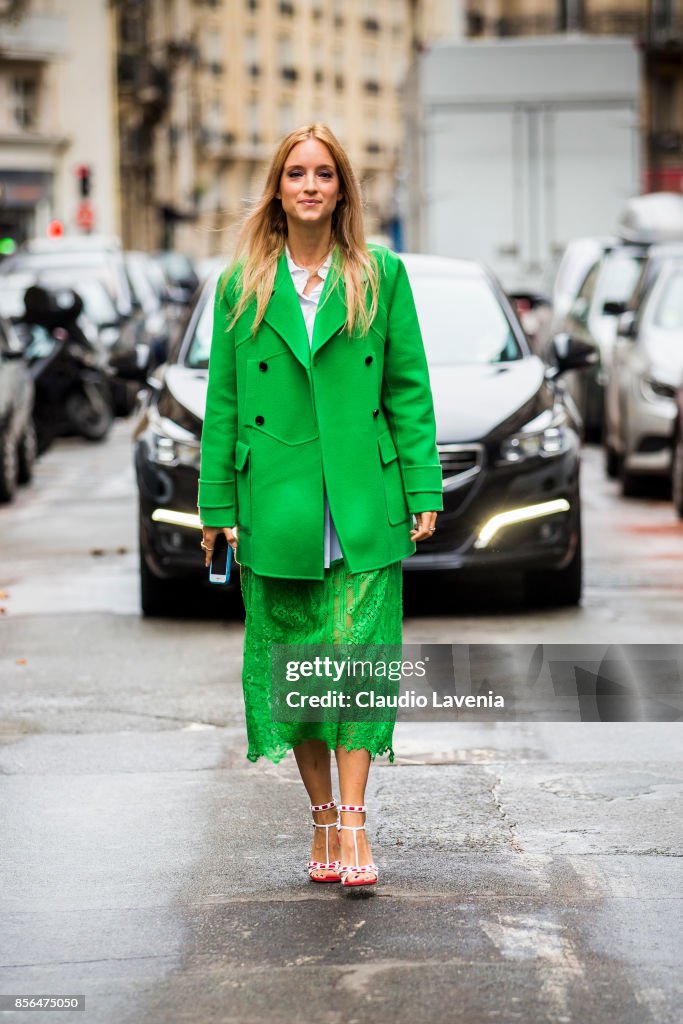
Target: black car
(507, 433)
(17, 431)
(508, 439)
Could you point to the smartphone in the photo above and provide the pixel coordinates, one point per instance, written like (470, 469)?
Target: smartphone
(221, 560)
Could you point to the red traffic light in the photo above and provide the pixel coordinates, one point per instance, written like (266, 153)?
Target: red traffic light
(55, 229)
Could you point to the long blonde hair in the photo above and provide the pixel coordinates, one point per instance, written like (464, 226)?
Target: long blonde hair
(264, 232)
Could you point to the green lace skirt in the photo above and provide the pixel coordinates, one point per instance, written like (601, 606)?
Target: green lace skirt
(343, 608)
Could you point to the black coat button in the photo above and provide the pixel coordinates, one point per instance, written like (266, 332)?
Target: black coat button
(263, 366)
(260, 421)
(375, 412)
(368, 360)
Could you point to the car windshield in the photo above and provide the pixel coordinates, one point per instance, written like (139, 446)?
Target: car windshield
(97, 302)
(200, 346)
(462, 321)
(141, 286)
(76, 266)
(617, 279)
(12, 290)
(177, 266)
(669, 312)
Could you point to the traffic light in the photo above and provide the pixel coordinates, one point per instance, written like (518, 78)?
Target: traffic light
(55, 229)
(83, 175)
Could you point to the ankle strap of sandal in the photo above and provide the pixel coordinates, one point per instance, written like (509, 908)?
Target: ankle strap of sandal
(324, 807)
(360, 808)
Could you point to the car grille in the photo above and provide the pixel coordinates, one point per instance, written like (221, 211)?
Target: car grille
(460, 463)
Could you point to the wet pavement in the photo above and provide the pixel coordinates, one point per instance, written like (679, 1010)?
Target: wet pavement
(529, 872)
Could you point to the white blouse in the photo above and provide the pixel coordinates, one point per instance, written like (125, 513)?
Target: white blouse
(309, 306)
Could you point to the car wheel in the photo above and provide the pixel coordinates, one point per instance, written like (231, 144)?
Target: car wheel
(92, 414)
(27, 452)
(631, 483)
(9, 466)
(612, 463)
(554, 588)
(677, 472)
(157, 597)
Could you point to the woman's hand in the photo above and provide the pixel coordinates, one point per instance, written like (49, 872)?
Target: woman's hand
(209, 534)
(425, 524)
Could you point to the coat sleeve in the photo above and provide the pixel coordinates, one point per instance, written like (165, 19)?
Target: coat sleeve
(407, 400)
(216, 499)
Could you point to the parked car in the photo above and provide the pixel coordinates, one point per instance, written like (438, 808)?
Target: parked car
(592, 319)
(608, 269)
(154, 322)
(677, 457)
(508, 440)
(18, 447)
(647, 367)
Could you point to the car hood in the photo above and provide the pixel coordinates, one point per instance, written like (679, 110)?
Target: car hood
(472, 403)
(183, 398)
(482, 402)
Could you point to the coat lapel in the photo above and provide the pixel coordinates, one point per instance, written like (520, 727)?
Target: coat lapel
(284, 315)
(331, 312)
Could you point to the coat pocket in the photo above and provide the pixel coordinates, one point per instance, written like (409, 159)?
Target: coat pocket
(243, 485)
(397, 506)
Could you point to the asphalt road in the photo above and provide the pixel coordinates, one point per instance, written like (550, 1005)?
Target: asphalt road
(529, 872)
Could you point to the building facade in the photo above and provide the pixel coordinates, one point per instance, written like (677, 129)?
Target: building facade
(58, 135)
(657, 30)
(207, 87)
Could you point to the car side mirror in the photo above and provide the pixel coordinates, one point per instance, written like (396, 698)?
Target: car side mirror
(626, 324)
(571, 354)
(611, 308)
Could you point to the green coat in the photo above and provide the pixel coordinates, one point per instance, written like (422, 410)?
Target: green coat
(279, 413)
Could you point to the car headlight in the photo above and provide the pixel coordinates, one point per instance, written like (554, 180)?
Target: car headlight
(653, 389)
(544, 436)
(172, 445)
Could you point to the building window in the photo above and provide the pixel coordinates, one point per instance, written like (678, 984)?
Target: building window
(285, 117)
(373, 147)
(25, 102)
(371, 86)
(252, 5)
(253, 118)
(371, 24)
(289, 74)
(286, 8)
(339, 82)
(318, 76)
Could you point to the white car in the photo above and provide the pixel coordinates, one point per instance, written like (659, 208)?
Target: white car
(647, 367)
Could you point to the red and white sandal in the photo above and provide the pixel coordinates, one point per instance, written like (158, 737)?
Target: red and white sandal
(327, 865)
(347, 871)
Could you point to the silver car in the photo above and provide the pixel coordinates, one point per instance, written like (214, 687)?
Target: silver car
(647, 366)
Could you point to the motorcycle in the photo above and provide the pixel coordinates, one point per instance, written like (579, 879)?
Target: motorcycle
(71, 372)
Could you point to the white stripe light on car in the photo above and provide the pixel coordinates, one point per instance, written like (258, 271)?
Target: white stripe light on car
(518, 515)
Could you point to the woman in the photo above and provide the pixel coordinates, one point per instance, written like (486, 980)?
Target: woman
(318, 445)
